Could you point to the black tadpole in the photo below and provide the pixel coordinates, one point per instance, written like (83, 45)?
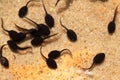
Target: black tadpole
(112, 25)
(14, 47)
(42, 28)
(54, 54)
(15, 36)
(33, 31)
(49, 20)
(23, 10)
(70, 33)
(49, 61)
(98, 59)
(37, 41)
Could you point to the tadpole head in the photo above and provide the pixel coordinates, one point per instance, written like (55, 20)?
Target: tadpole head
(54, 54)
(44, 29)
(111, 27)
(12, 34)
(99, 58)
(51, 63)
(49, 20)
(71, 35)
(4, 62)
(12, 45)
(23, 11)
(36, 41)
(20, 37)
(34, 33)
(17, 37)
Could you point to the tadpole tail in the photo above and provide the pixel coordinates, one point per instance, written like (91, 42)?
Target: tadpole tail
(28, 2)
(42, 53)
(115, 13)
(57, 2)
(31, 20)
(24, 48)
(50, 36)
(44, 7)
(22, 29)
(3, 26)
(67, 50)
(62, 24)
(90, 68)
(1, 49)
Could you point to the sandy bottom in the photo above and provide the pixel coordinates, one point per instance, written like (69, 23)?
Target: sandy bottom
(88, 19)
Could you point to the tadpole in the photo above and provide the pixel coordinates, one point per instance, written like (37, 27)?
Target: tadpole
(23, 10)
(36, 41)
(33, 31)
(98, 59)
(49, 61)
(49, 20)
(112, 25)
(42, 28)
(15, 36)
(54, 54)
(14, 47)
(70, 33)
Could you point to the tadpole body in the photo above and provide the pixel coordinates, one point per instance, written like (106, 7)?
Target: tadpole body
(49, 20)
(36, 41)
(49, 61)
(42, 28)
(72, 36)
(14, 47)
(54, 54)
(23, 10)
(4, 62)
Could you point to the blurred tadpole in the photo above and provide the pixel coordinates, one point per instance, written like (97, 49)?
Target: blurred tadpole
(67, 5)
